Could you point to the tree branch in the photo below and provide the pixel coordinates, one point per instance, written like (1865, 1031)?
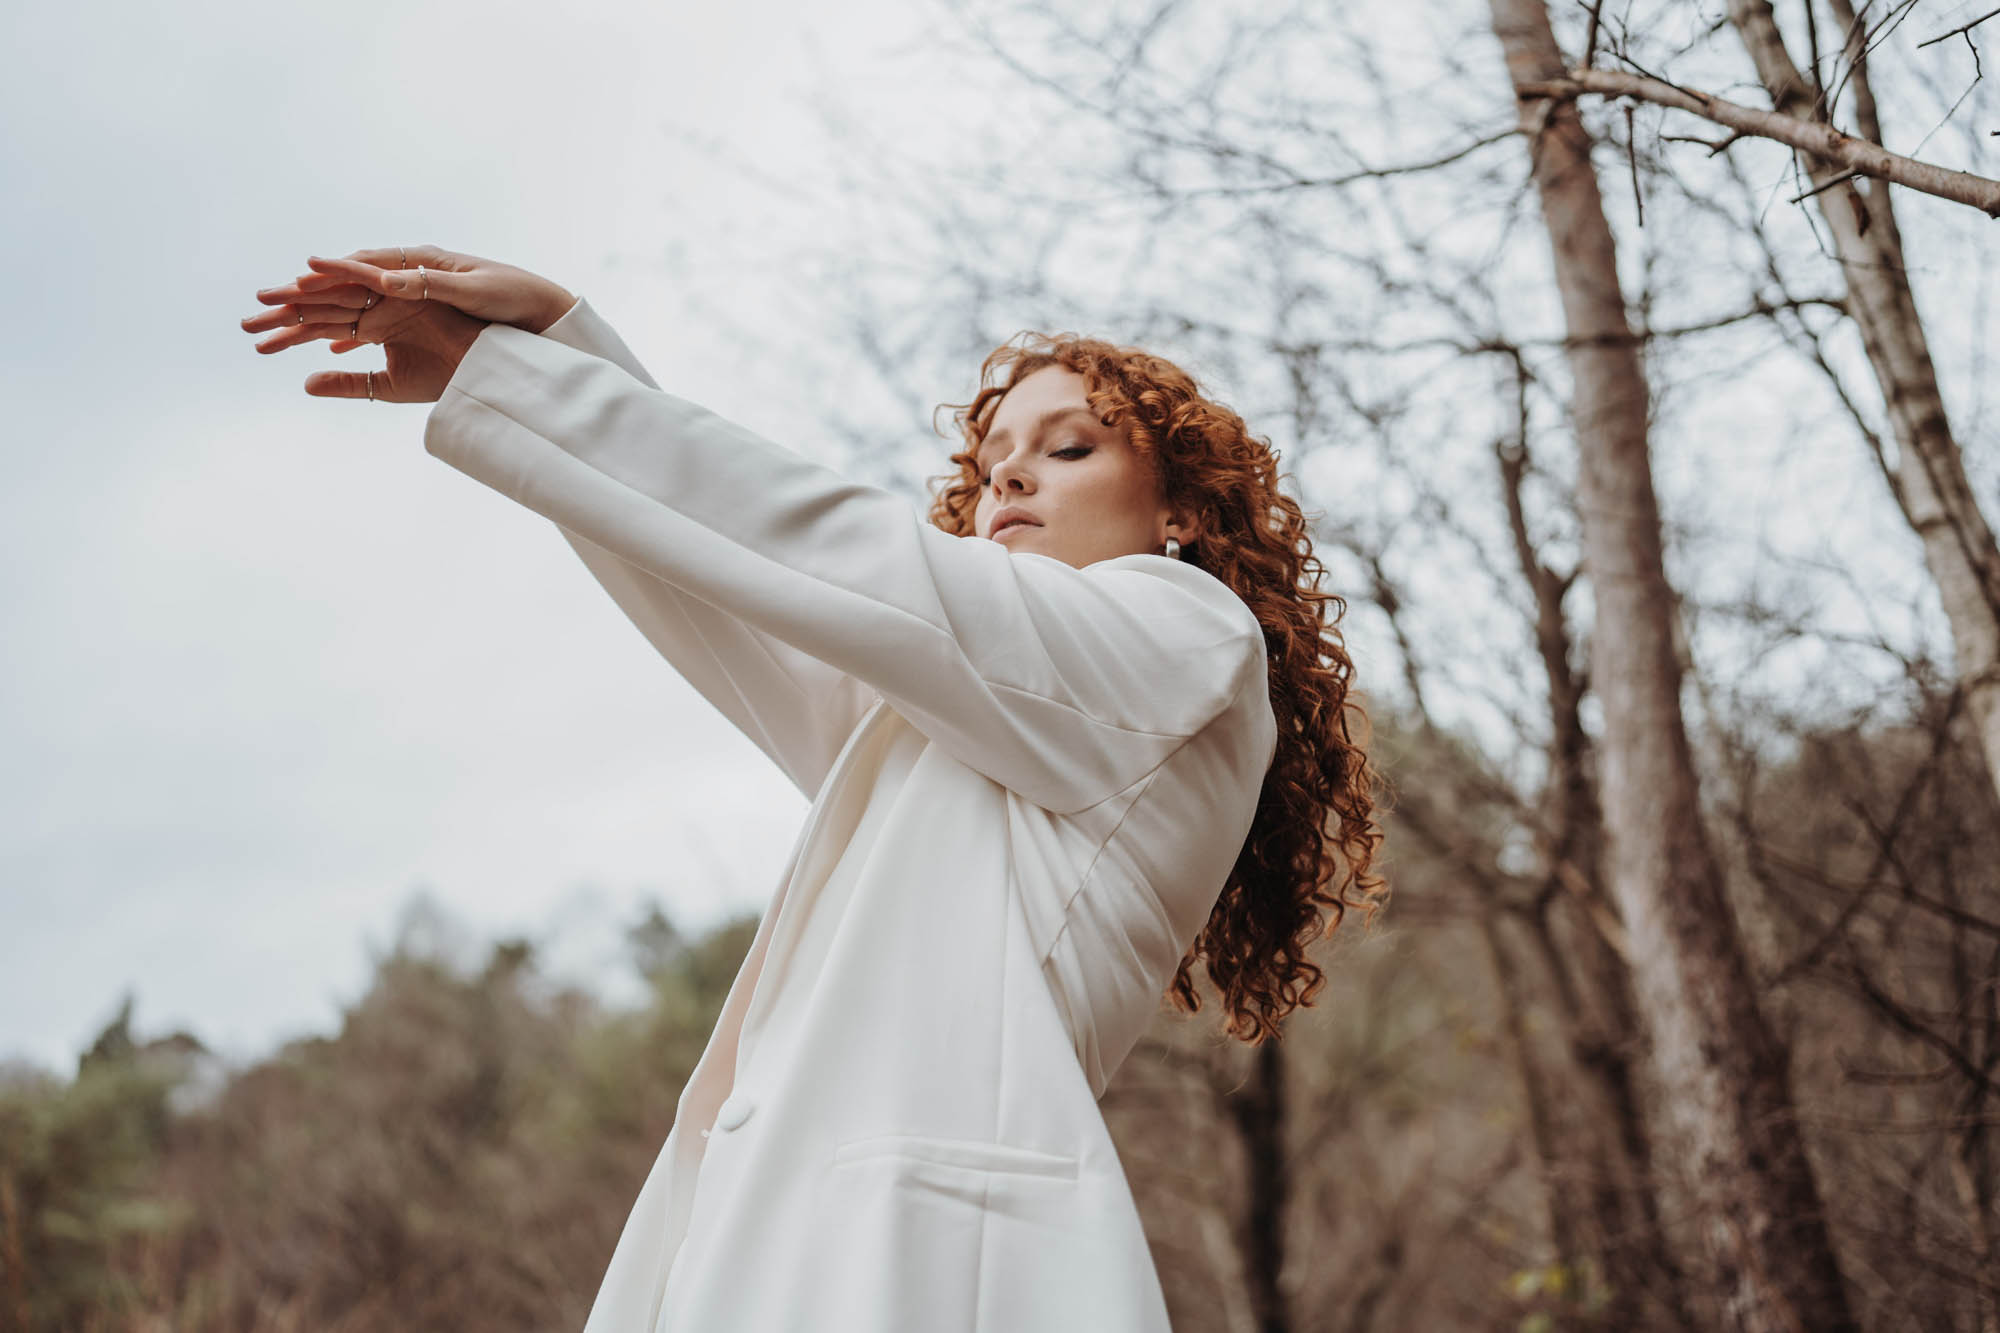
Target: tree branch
(1818, 138)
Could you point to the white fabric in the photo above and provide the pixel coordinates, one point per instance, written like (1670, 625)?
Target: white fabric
(1029, 783)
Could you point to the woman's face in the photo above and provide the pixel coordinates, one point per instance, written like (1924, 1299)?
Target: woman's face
(1088, 493)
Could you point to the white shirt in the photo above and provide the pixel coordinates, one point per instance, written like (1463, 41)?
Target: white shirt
(1029, 783)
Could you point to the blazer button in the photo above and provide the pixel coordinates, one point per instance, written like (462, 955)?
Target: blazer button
(733, 1112)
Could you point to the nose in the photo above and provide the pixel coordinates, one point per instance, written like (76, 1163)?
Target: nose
(1007, 473)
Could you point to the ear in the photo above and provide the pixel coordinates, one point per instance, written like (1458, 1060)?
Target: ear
(1184, 527)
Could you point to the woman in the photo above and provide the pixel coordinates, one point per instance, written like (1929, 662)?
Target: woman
(1082, 725)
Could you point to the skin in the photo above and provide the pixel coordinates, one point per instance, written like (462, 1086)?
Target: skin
(1096, 496)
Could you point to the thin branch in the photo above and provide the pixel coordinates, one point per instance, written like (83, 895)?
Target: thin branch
(1298, 182)
(1963, 27)
(1900, 1016)
(1632, 156)
(1814, 137)
(1823, 187)
(1820, 109)
(1713, 146)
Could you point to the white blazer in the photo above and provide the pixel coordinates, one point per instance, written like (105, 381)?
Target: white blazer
(1029, 782)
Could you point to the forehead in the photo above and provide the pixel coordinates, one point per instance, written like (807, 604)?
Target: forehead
(1049, 396)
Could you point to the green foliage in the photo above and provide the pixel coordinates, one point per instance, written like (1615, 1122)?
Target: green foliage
(461, 1153)
(74, 1166)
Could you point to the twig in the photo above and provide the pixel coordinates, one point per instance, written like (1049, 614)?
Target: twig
(1964, 27)
(1858, 42)
(1713, 146)
(1841, 179)
(1820, 107)
(1632, 156)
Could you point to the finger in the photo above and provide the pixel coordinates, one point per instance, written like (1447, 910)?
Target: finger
(312, 312)
(347, 384)
(318, 285)
(421, 282)
(296, 315)
(371, 276)
(291, 335)
(347, 294)
(407, 256)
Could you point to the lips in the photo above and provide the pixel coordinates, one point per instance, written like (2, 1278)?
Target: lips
(1013, 517)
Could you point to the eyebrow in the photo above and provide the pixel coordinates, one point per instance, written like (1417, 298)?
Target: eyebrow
(1043, 423)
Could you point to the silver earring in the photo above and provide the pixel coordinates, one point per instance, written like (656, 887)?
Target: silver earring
(1173, 549)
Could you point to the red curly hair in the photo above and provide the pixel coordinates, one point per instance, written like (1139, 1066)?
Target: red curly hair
(1311, 849)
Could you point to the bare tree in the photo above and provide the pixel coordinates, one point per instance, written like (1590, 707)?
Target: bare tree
(1851, 174)
(1722, 1073)
(1927, 477)
(1324, 274)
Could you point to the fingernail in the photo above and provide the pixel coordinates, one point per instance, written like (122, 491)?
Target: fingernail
(394, 283)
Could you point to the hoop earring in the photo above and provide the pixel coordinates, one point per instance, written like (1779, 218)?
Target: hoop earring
(1173, 549)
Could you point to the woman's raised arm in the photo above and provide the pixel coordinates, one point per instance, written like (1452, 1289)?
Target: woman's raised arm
(800, 711)
(796, 708)
(1065, 685)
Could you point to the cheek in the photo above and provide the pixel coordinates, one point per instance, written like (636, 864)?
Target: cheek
(1126, 490)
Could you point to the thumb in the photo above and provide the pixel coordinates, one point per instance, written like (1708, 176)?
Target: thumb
(349, 384)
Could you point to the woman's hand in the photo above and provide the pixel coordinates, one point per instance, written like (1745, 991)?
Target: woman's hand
(424, 320)
(422, 341)
(483, 288)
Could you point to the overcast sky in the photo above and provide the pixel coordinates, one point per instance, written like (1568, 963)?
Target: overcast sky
(271, 668)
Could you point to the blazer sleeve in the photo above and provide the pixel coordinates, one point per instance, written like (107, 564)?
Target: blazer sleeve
(797, 709)
(1064, 685)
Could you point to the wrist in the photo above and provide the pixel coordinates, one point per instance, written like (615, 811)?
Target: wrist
(470, 335)
(558, 303)
(453, 342)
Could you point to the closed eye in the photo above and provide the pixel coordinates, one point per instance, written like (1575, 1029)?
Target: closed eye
(1080, 450)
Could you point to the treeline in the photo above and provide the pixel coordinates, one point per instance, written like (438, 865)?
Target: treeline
(1424, 1149)
(460, 1154)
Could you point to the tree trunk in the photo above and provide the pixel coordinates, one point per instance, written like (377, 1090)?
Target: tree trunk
(1258, 1109)
(1722, 1077)
(1592, 980)
(1927, 476)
